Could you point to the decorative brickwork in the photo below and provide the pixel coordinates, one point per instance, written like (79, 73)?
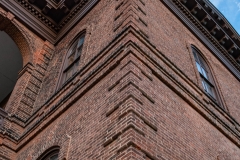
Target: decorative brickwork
(130, 12)
(135, 95)
(30, 81)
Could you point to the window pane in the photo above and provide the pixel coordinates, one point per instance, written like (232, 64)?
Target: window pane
(204, 73)
(68, 73)
(195, 55)
(204, 85)
(73, 50)
(201, 62)
(54, 157)
(71, 59)
(208, 88)
(199, 67)
(80, 42)
(79, 50)
(211, 91)
(75, 67)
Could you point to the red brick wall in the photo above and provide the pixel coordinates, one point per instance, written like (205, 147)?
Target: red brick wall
(138, 94)
(138, 115)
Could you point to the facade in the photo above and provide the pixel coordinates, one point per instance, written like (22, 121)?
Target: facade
(121, 79)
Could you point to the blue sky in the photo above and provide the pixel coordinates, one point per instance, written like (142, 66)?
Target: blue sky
(231, 10)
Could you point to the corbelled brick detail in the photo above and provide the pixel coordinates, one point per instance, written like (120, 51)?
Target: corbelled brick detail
(22, 100)
(130, 12)
(34, 83)
(130, 120)
(17, 95)
(132, 97)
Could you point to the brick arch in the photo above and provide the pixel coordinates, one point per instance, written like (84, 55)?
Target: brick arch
(9, 25)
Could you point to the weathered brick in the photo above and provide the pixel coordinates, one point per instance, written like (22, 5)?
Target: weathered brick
(137, 93)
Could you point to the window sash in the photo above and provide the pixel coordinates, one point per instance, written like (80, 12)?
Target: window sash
(202, 70)
(75, 52)
(208, 86)
(71, 69)
(206, 77)
(72, 59)
(80, 41)
(53, 157)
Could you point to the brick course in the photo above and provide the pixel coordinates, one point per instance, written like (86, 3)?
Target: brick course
(137, 93)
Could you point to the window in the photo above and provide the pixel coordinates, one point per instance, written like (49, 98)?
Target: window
(50, 154)
(72, 59)
(206, 78)
(53, 156)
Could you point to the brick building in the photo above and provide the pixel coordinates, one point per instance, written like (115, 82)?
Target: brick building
(121, 79)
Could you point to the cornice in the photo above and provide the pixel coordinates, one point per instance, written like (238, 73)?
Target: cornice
(209, 37)
(77, 16)
(223, 22)
(23, 15)
(41, 24)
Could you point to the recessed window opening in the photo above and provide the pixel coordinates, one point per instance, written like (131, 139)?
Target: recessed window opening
(206, 77)
(72, 59)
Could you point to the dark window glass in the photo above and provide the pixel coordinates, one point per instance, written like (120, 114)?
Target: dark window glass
(53, 157)
(72, 59)
(51, 154)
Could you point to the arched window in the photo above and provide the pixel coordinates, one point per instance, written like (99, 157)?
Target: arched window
(205, 74)
(72, 59)
(50, 154)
